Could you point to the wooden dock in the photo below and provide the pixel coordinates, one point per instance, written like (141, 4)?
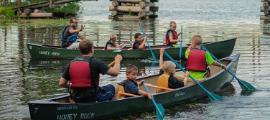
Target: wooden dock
(265, 10)
(133, 9)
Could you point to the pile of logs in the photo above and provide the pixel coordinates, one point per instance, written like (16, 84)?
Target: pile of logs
(133, 9)
(265, 9)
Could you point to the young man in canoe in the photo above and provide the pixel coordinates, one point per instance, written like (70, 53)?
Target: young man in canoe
(198, 59)
(82, 76)
(168, 78)
(171, 38)
(70, 34)
(111, 44)
(130, 85)
(139, 41)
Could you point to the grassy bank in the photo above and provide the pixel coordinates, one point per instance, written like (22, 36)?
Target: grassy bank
(7, 12)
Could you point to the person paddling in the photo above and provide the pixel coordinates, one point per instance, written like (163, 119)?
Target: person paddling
(111, 44)
(139, 41)
(171, 38)
(198, 60)
(83, 73)
(130, 85)
(70, 34)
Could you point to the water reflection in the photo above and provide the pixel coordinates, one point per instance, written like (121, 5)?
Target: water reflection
(23, 79)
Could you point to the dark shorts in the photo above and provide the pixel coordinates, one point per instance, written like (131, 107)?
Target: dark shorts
(106, 93)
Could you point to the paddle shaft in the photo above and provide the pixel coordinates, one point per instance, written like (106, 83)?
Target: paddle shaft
(111, 64)
(128, 94)
(181, 43)
(153, 99)
(230, 72)
(148, 45)
(159, 87)
(212, 96)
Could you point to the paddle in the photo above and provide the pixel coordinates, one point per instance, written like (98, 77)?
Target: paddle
(211, 95)
(243, 84)
(159, 87)
(160, 111)
(148, 45)
(181, 44)
(117, 51)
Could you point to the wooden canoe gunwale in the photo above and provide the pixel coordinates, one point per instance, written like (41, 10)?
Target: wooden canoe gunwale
(132, 102)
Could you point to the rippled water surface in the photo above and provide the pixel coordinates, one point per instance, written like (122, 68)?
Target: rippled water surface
(22, 79)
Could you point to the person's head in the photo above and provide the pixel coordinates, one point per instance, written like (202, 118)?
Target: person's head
(86, 47)
(169, 67)
(73, 22)
(132, 72)
(173, 25)
(113, 38)
(138, 37)
(196, 40)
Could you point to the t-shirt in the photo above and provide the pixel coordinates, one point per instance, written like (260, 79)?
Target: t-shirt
(136, 45)
(67, 37)
(131, 86)
(173, 82)
(109, 44)
(97, 67)
(200, 75)
(87, 94)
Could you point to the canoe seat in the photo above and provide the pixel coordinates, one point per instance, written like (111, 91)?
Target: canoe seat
(121, 94)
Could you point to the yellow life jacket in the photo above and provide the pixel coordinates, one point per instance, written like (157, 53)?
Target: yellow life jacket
(163, 81)
(120, 89)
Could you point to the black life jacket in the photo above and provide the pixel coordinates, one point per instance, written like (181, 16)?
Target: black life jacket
(109, 43)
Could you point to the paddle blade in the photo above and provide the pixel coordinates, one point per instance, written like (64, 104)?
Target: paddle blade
(246, 86)
(214, 97)
(160, 112)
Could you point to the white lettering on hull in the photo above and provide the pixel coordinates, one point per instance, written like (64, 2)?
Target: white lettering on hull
(75, 116)
(49, 53)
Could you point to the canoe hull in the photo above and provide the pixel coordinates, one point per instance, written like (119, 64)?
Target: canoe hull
(220, 49)
(50, 110)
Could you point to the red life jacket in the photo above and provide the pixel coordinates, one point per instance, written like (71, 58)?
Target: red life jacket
(80, 73)
(196, 60)
(174, 35)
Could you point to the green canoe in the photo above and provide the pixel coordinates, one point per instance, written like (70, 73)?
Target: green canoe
(220, 49)
(59, 108)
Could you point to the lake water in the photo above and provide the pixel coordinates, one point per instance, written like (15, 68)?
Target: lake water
(22, 79)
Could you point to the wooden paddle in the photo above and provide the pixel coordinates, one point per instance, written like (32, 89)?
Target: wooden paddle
(128, 94)
(118, 51)
(243, 84)
(160, 111)
(211, 95)
(159, 87)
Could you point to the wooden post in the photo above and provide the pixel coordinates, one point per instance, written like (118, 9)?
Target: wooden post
(50, 3)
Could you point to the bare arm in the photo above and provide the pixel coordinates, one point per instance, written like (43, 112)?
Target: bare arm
(161, 54)
(63, 82)
(114, 71)
(143, 44)
(111, 48)
(219, 65)
(173, 40)
(141, 92)
(76, 30)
